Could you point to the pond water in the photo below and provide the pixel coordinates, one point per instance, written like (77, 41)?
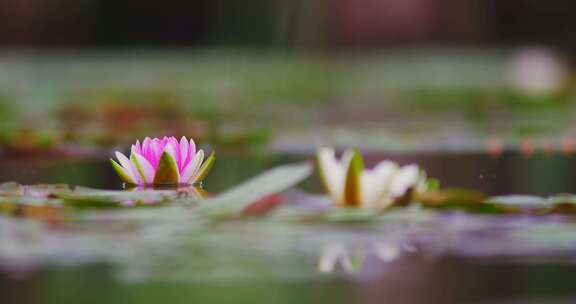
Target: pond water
(510, 172)
(410, 256)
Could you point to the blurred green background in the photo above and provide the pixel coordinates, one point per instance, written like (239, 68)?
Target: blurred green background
(288, 75)
(480, 93)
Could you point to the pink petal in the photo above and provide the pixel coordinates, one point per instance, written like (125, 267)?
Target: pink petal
(147, 148)
(156, 152)
(146, 143)
(176, 145)
(136, 147)
(183, 153)
(170, 149)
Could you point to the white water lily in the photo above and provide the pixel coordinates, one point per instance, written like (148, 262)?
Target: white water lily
(351, 185)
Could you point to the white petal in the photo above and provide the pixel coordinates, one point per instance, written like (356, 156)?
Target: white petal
(346, 159)
(146, 171)
(199, 159)
(192, 168)
(332, 172)
(375, 184)
(368, 189)
(191, 149)
(127, 166)
(406, 178)
(384, 173)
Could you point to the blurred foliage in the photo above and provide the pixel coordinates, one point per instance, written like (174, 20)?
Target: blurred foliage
(248, 99)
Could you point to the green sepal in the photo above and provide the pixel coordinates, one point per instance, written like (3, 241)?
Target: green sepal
(205, 168)
(167, 171)
(127, 179)
(352, 186)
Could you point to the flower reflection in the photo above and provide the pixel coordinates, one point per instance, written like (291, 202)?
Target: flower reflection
(351, 259)
(191, 193)
(337, 254)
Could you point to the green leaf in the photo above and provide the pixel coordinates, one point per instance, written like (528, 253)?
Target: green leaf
(232, 202)
(205, 169)
(350, 215)
(432, 184)
(451, 197)
(520, 201)
(352, 187)
(95, 198)
(167, 171)
(9, 188)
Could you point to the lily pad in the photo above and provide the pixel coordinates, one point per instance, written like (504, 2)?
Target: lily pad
(61, 195)
(350, 215)
(95, 198)
(519, 201)
(441, 198)
(232, 202)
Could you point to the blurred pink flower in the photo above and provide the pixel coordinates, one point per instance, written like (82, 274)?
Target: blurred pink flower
(163, 161)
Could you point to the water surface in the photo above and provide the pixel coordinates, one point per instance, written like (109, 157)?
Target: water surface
(410, 257)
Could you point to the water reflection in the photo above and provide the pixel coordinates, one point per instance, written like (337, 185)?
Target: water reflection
(508, 172)
(352, 259)
(409, 256)
(190, 192)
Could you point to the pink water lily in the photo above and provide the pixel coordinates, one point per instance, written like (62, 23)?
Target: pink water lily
(163, 161)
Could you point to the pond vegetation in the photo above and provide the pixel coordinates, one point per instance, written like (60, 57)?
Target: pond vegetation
(462, 186)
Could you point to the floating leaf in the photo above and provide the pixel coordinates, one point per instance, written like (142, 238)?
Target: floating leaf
(519, 201)
(560, 204)
(560, 208)
(39, 190)
(563, 198)
(86, 197)
(350, 215)
(232, 202)
(445, 197)
(9, 188)
(459, 199)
